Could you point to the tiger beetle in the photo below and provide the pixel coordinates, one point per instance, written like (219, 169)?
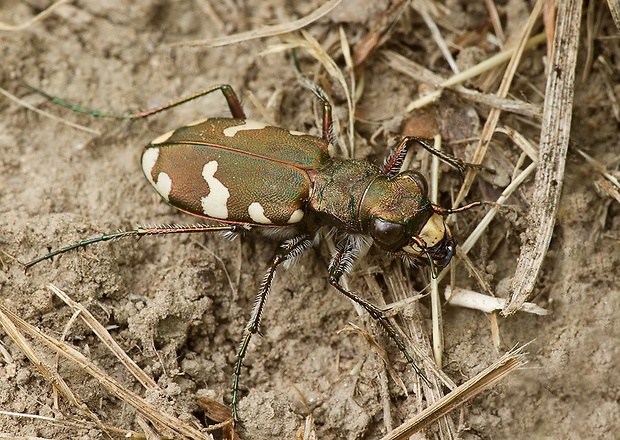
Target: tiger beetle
(244, 174)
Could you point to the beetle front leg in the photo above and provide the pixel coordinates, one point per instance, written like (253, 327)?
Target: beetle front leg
(395, 161)
(341, 263)
(289, 251)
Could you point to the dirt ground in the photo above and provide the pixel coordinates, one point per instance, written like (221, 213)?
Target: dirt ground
(177, 305)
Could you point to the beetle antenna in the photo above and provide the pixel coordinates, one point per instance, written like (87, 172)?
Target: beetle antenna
(447, 211)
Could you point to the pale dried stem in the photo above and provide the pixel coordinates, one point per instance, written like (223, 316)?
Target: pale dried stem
(69, 423)
(484, 223)
(608, 72)
(437, 323)
(614, 8)
(613, 183)
(493, 117)
(13, 327)
(488, 304)
(467, 391)
(309, 44)
(36, 19)
(421, 74)
(399, 286)
(210, 12)
(555, 134)
(266, 31)
(436, 34)
(105, 337)
(10, 322)
(495, 20)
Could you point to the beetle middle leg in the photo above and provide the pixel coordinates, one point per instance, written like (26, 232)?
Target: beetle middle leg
(341, 263)
(289, 251)
(395, 161)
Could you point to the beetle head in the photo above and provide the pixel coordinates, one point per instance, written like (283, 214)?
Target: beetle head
(398, 215)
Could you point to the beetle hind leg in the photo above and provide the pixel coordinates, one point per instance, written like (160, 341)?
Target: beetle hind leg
(289, 251)
(234, 104)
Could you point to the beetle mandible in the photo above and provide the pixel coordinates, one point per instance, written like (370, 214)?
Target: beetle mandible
(297, 189)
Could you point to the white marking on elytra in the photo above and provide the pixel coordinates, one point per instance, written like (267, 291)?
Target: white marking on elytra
(162, 138)
(297, 133)
(296, 216)
(214, 204)
(149, 158)
(249, 125)
(257, 213)
(163, 184)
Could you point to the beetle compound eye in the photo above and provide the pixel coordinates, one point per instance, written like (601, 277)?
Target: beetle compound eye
(388, 235)
(420, 180)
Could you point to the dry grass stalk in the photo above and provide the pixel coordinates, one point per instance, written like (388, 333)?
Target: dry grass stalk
(422, 9)
(378, 349)
(488, 304)
(307, 431)
(609, 183)
(416, 339)
(465, 392)
(614, 8)
(437, 323)
(421, 74)
(554, 139)
(105, 337)
(14, 325)
(493, 117)
(312, 47)
(266, 31)
(379, 33)
(36, 19)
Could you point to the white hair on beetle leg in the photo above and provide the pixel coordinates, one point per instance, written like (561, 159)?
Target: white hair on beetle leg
(296, 247)
(351, 248)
